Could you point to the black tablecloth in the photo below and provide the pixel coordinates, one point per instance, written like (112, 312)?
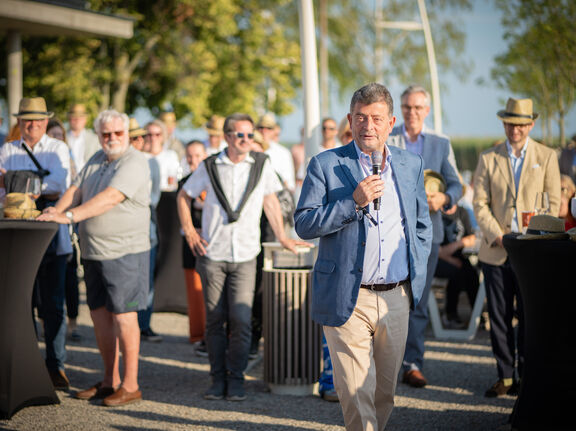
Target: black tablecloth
(169, 282)
(24, 380)
(546, 273)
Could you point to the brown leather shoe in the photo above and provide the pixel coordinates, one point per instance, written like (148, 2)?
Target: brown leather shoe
(499, 388)
(96, 392)
(121, 397)
(414, 378)
(59, 380)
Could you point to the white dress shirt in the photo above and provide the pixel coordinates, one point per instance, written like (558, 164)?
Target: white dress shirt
(282, 163)
(169, 168)
(386, 255)
(239, 241)
(51, 153)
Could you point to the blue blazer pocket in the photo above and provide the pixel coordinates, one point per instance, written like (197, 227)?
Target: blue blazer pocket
(325, 266)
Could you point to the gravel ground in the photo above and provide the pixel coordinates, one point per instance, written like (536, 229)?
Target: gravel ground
(173, 379)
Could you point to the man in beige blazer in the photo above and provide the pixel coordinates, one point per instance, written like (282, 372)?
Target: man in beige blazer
(506, 181)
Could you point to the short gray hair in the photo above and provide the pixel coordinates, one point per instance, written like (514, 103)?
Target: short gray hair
(107, 116)
(417, 89)
(231, 120)
(373, 93)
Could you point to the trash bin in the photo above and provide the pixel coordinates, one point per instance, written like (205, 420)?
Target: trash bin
(292, 341)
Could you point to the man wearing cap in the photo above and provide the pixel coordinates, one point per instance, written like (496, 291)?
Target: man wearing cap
(438, 156)
(506, 181)
(53, 155)
(83, 142)
(110, 199)
(136, 134)
(214, 127)
(172, 142)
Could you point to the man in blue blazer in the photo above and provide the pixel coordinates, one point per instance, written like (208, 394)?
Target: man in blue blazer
(371, 263)
(437, 153)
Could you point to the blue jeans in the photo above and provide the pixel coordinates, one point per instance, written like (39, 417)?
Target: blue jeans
(145, 315)
(414, 353)
(51, 284)
(228, 294)
(326, 382)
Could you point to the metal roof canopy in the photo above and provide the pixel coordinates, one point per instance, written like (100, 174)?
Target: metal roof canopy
(36, 18)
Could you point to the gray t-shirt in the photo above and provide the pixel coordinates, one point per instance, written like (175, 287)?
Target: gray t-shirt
(125, 229)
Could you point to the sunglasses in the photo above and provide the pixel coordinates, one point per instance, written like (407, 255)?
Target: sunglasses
(328, 128)
(108, 135)
(242, 135)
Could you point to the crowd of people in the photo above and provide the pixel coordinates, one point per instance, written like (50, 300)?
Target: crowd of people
(376, 262)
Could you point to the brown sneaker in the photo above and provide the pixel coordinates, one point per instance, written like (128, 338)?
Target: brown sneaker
(414, 378)
(122, 397)
(96, 392)
(499, 388)
(59, 380)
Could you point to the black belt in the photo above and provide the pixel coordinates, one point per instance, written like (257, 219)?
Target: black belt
(384, 287)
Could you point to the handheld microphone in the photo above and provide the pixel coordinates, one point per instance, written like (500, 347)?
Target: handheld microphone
(376, 170)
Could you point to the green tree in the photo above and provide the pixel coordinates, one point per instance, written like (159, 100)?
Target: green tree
(195, 57)
(355, 43)
(540, 61)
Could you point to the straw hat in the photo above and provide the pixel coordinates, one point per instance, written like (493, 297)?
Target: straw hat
(267, 121)
(518, 111)
(77, 110)
(33, 108)
(20, 206)
(134, 129)
(545, 226)
(433, 181)
(168, 118)
(215, 125)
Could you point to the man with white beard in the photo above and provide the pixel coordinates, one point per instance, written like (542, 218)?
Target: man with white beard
(110, 200)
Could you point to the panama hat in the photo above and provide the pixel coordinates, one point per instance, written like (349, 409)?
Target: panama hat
(33, 108)
(168, 118)
(215, 125)
(518, 111)
(77, 110)
(433, 181)
(134, 129)
(545, 226)
(268, 121)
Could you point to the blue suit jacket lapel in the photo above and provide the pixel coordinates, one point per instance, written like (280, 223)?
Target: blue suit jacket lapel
(351, 165)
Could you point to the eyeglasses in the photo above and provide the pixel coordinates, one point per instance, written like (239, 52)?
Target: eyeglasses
(267, 128)
(242, 135)
(417, 108)
(149, 135)
(328, 128)
(107, 135)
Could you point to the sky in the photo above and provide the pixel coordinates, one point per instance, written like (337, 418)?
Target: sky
(469, 109)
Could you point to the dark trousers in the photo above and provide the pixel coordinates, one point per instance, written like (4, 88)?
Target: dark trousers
(460, 279)
(50, 286)
(504, 302)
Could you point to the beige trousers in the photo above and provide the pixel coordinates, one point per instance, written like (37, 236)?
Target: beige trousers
(366, 355)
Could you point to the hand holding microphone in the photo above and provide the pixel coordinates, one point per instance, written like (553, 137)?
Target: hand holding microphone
(370, 189)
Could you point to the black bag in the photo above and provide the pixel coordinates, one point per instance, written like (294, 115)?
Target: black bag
(16, 181)
(287, 204)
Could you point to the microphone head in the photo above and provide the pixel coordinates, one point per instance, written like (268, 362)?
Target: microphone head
(376, 158)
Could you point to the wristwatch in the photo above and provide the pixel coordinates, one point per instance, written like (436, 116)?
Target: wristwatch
(70, 216)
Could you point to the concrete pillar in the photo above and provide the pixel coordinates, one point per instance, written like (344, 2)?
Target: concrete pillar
(14, 48)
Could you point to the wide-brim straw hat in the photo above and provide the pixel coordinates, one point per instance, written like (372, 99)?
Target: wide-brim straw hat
(215, 125)
(33, 108)
(518, 111)
(77, 110)
(168, 118)
(134, 129)
(433, 181)
(544, 226)
(267, 121)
